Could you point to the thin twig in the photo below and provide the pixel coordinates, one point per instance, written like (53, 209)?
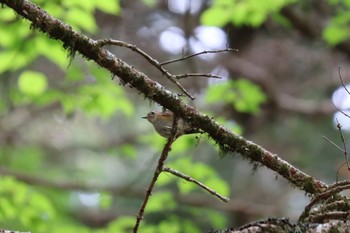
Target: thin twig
(331, 190)
(151, 60)
(341, 149)
(344, 144)
(338, 171)
(180, 76)
(197, 54)
(339, 126)
(344, 183)
(325, 217)
(338, 147)
(347, 115)
(341, 80)
(190, 179)
(159, 169)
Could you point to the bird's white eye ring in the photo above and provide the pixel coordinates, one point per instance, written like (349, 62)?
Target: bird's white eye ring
(153, 112)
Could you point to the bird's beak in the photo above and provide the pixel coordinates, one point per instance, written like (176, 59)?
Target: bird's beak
(145, 117)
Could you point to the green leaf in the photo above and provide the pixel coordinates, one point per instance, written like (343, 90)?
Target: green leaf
(84, 5)
(218, 184)
(333, 2)
(165, 179)
(112, 7)
(104, 100)
(24, 206)
(248, 12)
(105, 200)
(122, 224)
(185, 143)
(150, 3)
(230, 124)
(217, 220)
(32, 83)
(12, 60)
(282, 20)
(7, 210)
(250, 96)
(170, 226)
(69, 103)
(27, 158)
(51, 50)
(128, 150)
(335, 34)
(7, 14)
(216, 16)
(244, 95)
(161, 201)
(338, 29)
(189, 226)
(216, 92)
(81, 19)
(201, 172)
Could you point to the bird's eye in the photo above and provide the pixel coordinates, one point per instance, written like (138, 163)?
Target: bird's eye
(152, 113)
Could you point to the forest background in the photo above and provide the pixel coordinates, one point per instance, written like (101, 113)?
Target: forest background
(76, 155)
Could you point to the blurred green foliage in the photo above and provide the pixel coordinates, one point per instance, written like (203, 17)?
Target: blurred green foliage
(42, 210)
(86, 88)
(254, 13)
(21, 205)
(243, 95)
(249, 12)
(22, 46)
(338, 29)
(32, 83)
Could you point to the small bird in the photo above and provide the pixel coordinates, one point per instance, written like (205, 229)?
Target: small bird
(163, 122)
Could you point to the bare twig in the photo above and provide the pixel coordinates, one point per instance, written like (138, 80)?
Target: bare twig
(193, 200)
(347, 115)
(332, 190)
(190, 179)
(345, 151)
(341, 80)
(159, 169)
(180, 76)
(338, 171)
(151, 60)
(325, 217)
(197, 54)
(338, 147)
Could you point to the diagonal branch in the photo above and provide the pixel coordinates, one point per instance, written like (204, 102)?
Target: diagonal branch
(180, 76)
(190, 179)
(197, 54)
(151, 60)
(227, 140)
(159, 169)
(342, 82)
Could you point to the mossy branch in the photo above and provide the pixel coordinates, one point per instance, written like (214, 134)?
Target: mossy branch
(227, 140)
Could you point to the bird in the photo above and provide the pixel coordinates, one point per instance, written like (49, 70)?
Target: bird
(162, 122)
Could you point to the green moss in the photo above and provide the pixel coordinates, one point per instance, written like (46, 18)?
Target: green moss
(308, 185)
(285, 170)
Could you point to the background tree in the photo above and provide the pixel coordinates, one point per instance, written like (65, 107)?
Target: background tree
(84, 133)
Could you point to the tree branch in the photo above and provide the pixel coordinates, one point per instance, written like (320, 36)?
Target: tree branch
(197, 54)
(159, 169)
(190, 179)
(151, 60)
(227, 140)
